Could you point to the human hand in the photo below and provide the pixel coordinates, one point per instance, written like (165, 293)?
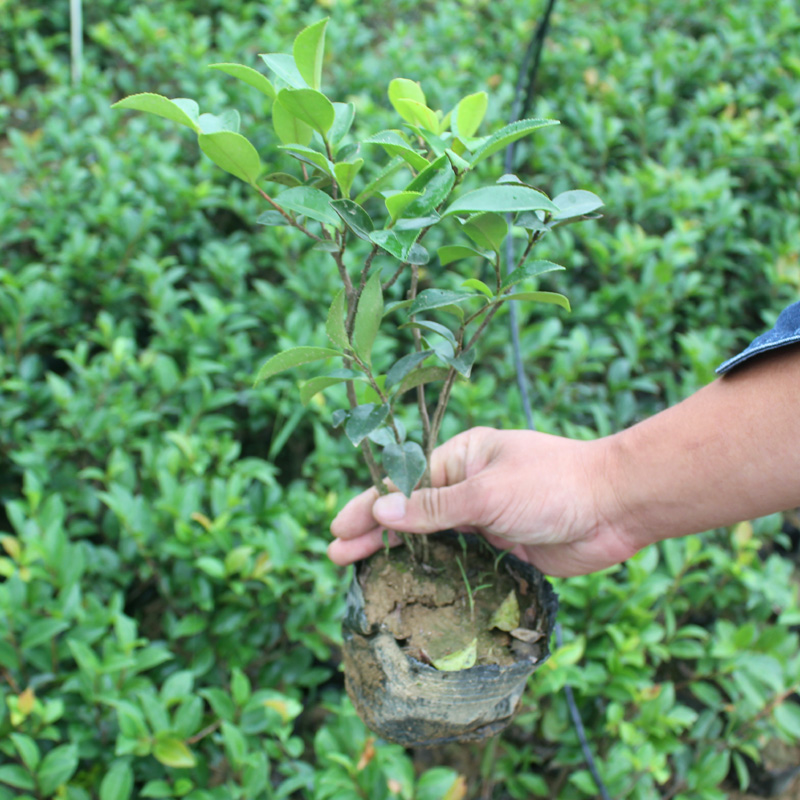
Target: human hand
(547, 498)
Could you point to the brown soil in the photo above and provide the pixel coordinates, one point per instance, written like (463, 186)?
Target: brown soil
(427, 608)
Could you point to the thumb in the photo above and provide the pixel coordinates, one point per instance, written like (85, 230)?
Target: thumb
(427, 510)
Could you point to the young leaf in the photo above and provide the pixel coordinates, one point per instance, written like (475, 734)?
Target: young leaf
(173, 752)
(310, 203)
(508, 134)
(427, 175)
(433, 327)
(249, 76)
(417, 223)
(460, 659)
(309, 156)
(334, 326)
(435, 190)
(479, 286)
(354, 217)
(405, 465)
(214, 123)
(233, 153)
(397, 203)
(531, 270)
(180, 110)
(395, 144)
(346, 172)
(469, 114)
(487, 230)
(454, 252)
(381, 179)
(540, 297)
(283, 65)
(532, 221)
(368, 317)
(403, 366)
(316, 385)
(398, 243)
(501, 199)
(437, 298)
(418, 114)
(363, 420)
(404, 89)
(462, 363)
(308, 52)
(344, 114)
(309, 106)
(506, 617)
(294, 357)
(421, 376)
(288, 128)
(576, 203)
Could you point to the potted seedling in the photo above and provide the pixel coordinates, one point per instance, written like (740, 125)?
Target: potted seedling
(441, 635)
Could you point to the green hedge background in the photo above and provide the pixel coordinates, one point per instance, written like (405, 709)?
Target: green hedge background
(169, 623)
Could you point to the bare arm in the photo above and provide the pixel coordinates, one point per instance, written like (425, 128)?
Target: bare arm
(728, 453)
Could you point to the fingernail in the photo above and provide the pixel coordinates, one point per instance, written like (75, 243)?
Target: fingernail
(390, 507)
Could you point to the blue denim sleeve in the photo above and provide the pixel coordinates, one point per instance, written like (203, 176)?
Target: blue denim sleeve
(786, 331)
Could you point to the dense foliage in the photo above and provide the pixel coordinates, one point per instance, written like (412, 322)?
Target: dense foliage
(169, 624)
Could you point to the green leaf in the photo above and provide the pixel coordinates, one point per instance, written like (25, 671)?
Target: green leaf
(418, 114)
(57, 768)
(403, 366)
(397, 202)
(395, 144)
(507, 135)
(174, 753)
(17, 776)
(214, 123)
(398, 243)
(249, 76)
(437, 298)
(344, 114)
(284, 66)
(235, 744)
(460, 659)
(43, 630)
(27, 749)
(531, 270)
(435, 183)
(787, 716)
(288, 128)
(469, 114)
(487, 230)
(309, 202)
(531, 221)
(354, 217)
(346, 172)
(309, 51)
(479, 286)
(454, 252)
(334, 325)
(316, 385)
(157, 788)
(405, 465)
(462, 363)
(575, 203)
(506, 617)
(501, 199)
(117, 784)
(180, 110)
(309, 106)
(404, 89)
(309, 156)
(363, 420)
(421, 376)
(433, 327)
(417, 223)
(233, 153)
(294, 357)
(381, 179)
(368, 318)
(540, 297)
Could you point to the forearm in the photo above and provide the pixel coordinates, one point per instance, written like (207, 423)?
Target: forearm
(728, 453)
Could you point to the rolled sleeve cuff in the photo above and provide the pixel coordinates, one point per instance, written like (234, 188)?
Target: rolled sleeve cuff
(786, 331)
